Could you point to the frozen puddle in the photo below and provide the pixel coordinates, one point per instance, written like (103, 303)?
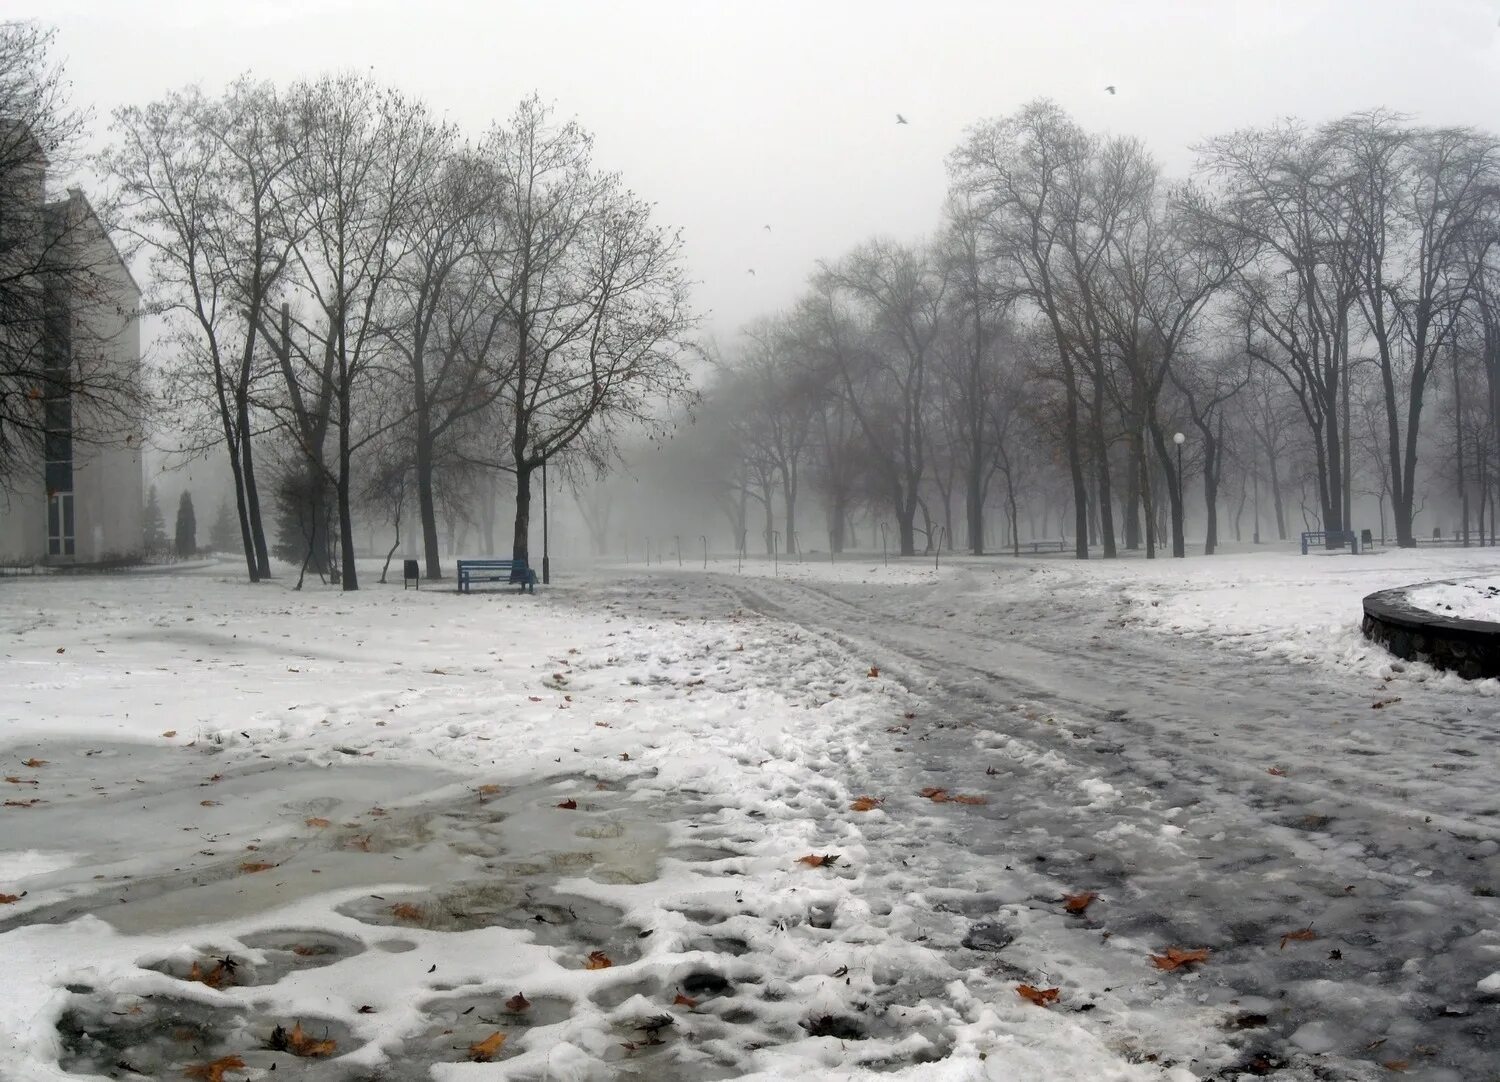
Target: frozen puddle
(346, 941)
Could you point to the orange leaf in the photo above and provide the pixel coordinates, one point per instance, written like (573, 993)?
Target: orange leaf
(300, 1044)
(1276, 771)
(489, 789)
(1301, 934)
(865, 803)
(214, 1072)
(934, 794)
(483, 1051)
(684, 1001)
(1176, 958)
(1079, 903)
(255, 866)
(570, 804)
(217, 977)
(819, 860)
(406, 911)
(34, 763)
(970, 798)
(874, 672)
(315, 821)
(170, 733)
(1397, 1065)
(306, 952)
(598, 960)
(1040, 996)
(517, 1002)
(209, 803)
(7, 899)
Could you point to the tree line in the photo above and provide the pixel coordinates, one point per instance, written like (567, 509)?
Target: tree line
(1316, 309)
(366, 308)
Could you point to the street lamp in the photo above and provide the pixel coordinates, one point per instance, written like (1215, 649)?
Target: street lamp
(1181, 542)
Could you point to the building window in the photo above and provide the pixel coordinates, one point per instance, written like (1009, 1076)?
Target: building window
(60, 526)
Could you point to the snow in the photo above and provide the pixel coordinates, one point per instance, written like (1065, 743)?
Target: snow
(1472, 599)
(394, 747)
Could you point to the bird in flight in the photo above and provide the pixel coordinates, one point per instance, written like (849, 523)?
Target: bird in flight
(1111, 89)
(900, 119)
(750, 271)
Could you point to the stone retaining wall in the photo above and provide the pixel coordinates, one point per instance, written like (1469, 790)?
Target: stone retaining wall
(1470, 648)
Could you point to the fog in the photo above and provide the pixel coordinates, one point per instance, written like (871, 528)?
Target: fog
(778, 137)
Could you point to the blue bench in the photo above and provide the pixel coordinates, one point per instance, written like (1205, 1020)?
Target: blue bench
(1329, 537)
(507, 571)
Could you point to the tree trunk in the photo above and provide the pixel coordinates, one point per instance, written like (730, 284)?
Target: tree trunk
(252, 495)
(349, 573)
(521, 542)
(426, 504)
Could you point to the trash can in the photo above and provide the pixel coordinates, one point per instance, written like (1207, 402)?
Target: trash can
(1366, 539)
(410, 575)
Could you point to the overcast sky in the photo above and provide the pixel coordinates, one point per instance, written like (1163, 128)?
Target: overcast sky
(737, 116)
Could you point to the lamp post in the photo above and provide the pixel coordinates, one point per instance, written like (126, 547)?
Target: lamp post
(704, 538)
(885, 551)
(1179, 545)
(678, 539)
(775, 544)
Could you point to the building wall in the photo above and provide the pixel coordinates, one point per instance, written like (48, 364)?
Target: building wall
(108, 487)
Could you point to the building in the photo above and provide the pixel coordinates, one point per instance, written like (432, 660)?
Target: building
(72, 488)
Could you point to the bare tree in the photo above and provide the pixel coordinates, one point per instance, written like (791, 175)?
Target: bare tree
(593, 296)
(880, 312)
(199, 185)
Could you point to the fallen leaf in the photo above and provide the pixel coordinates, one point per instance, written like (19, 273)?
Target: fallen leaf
(315, 821)
(255, 866)
(62, 649)
(300, 1044)
(816, 860)
(1276, 771)
(535, 698)
(34, 763)
(1397, 1065)
(570, 804)
(1176, 958)
(407, 912)
(14, 780)
(306, 952)
(684, 1001)
(7, 899)
(1079, 903)
(1381, 705)
(874, 672)
(1301, 934)
(217, 977)
(366, 1009)
(970, 798)
(865, 803)
(934, 794)
(1040, 996)
(170, 733)
(598, 960)
(517, 1002)
(489, 789)
(483, 1051)
(214, 1072)
(603, 725)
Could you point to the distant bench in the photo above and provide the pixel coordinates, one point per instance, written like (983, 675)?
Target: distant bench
(507, 571)
(1326, 538)
(1049, 544)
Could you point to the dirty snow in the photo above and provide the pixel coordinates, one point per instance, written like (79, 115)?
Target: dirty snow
(401, 763)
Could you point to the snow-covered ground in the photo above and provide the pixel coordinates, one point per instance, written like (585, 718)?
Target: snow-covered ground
(394, 811)
(1471, 599)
